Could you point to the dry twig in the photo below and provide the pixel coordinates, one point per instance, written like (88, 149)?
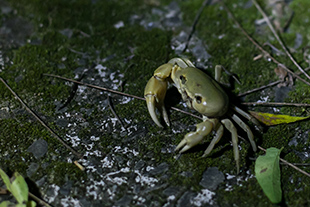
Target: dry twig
(260, 88)
(41, 121)
(279, 39)
(276, 104)
(114, 113)
(261, 48)
(38, 200)
(197, 17)
(116, 92)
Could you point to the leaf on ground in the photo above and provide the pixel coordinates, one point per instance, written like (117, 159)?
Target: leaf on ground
(5, 179)
(19, 189)
(267, 172)
(275, 119)
(6, 204)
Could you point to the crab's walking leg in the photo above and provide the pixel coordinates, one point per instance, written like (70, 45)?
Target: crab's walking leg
(234, 137)
(216, 139)
(247, 116)
(193, 138)
(155, 92)
(247, 129)
(218, 72)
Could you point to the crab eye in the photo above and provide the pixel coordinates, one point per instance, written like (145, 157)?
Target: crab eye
(198, 99)
(183, 79)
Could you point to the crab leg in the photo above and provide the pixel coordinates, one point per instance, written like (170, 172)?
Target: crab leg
(247, 116)
(234, 138)
(247, 129)
(193, 138)
(216, 139)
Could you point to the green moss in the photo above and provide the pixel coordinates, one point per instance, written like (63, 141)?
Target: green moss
(137, 53)
(59, 169)
(300, 24)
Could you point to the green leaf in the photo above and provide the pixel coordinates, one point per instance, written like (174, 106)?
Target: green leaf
(31, 204)
(6, 204)
(275, 119)
(267, 172)
(5, 179)
(20, 205)
(19, 189)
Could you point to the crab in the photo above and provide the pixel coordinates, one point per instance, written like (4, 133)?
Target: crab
(203, 94)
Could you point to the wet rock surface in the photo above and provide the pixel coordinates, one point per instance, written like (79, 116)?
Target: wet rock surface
(127, 161)
(211, 178)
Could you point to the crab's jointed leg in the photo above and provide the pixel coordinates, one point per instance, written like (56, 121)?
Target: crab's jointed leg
(216, 139)
(155, 92)
(247, 116)
(193, 138)
(234, 138)
(247, 129)
(218, 73)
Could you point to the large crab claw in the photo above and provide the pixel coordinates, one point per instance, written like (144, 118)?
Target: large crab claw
(155, 92)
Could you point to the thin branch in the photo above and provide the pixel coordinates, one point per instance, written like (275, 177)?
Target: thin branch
(116, 92)
(289, 164)
(114, 113)
(266, 86)
(276, 104)
(260, 47)
(279, 39)
(41, 121)
(260, 88)
(38, 200)
(197, 17)
(94, 86)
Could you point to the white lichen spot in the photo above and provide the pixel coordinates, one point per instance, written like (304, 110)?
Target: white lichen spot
(93, 138)
(228, 176)
(106, 163)
(149, 168)
(94, 188)
(119, 24)
(139, 200)
(54, 188)
(169, 200)
(69, 201)
(263, 99)
(101, 70)
(276, 109)
(81, 92)
(75, 140)
(145, 180)
(205, 196)
(125, 150)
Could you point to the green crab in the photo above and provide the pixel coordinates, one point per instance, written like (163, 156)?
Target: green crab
(203, 94)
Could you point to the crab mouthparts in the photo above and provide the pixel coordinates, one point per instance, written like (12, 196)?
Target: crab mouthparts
(188, 100)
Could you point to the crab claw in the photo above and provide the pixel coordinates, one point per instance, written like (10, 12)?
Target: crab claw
(154, 93)
(193, 138)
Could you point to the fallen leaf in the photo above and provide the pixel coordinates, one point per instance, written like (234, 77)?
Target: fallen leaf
(275, 119)
(19, 188)
(267, 172)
